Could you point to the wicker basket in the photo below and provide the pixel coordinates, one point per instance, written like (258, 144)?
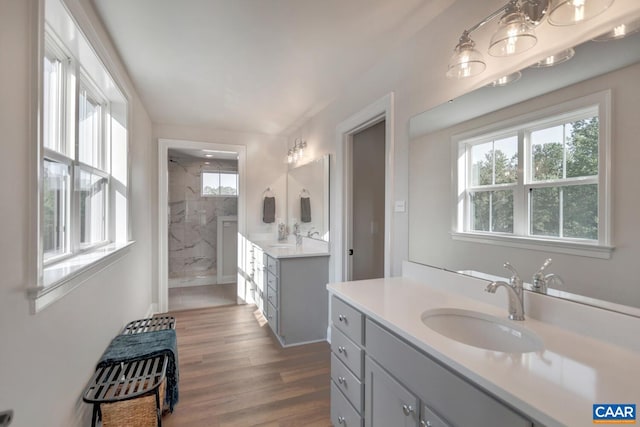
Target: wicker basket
(138, 412)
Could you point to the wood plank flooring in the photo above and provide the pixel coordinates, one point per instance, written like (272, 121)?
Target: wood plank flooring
(233, 372)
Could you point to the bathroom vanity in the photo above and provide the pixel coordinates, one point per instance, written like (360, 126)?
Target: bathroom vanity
(389, 368)
(289, 286)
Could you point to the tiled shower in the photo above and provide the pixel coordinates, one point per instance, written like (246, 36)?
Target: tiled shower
(193, 220)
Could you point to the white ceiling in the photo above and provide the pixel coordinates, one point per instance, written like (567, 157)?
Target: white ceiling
(253, 65)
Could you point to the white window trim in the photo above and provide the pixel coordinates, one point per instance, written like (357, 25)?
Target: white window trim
(600, 249)
(51, 282)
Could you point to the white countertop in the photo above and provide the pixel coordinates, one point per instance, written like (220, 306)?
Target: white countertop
(288, 249)
(556, 386)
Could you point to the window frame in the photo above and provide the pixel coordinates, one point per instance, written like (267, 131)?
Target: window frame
(61, 37)
(525, 124)
(70, 135)
(218, 172)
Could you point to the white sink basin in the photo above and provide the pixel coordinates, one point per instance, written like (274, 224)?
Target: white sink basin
(481, 330)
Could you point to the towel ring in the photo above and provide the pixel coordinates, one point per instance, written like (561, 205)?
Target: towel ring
(268, 193)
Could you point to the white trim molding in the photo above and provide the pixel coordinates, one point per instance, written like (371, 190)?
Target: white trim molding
(382, 109)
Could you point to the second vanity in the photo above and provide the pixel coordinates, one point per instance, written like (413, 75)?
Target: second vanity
(288, 284)
(389, 368)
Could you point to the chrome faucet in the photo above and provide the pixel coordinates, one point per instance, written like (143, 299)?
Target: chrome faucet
(514, 290)
(541, 281)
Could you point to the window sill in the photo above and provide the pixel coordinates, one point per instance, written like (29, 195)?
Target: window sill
(568, 248)
(62, 277)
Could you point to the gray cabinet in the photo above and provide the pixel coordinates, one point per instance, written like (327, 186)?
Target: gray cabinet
(347, 364)
(296, 298)
(403, 386)
(387, 402)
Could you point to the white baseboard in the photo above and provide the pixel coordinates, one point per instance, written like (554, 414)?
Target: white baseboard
(153, 309)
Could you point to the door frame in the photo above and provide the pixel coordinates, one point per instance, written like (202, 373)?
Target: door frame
(382, 109)
(164, 145)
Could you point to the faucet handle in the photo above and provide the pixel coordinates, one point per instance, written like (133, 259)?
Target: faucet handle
(515, 278)
(546, 263)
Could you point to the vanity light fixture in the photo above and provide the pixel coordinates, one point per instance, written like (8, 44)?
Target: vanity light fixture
(619, 32)
(516, 31)
(556, 59)
(569, 12)
(297, 151)
(505, 80)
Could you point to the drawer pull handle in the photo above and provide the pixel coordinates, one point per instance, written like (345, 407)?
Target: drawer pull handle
(407, 410)
(342, 380)
(424, 423)
(342, 350)
(342, 318)
(340, 420)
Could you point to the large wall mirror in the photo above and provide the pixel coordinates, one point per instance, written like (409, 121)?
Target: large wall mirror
(596, 67)
(308, 198)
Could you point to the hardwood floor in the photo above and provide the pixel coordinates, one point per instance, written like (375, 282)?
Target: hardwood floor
(233, 372)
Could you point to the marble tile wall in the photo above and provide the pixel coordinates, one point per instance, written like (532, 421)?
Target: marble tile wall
(193, 219)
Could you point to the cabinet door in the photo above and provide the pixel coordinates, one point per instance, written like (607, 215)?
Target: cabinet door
(387, 403)
(428, 418)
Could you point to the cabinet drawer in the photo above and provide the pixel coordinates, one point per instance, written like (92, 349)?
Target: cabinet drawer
(272, 296)
(459, 402)
(347, 383)
(272, 281)
(430, 419)
(347, 319)
(347, 352)
(272, 316)
(272, 265)
(342, 413)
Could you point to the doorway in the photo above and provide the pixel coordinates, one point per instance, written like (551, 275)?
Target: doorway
(380, 112)
(367, 203)
(201, 201)
(202, 223)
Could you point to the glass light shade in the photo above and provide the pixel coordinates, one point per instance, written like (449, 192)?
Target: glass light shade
(466, 61)
(514, 35)
(505, 80)
(534, 10)
(569, 12)
(290, 157)
(619, 32)
(556, 59)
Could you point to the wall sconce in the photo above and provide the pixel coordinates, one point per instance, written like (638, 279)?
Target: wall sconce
(297, 151)
(516, 30)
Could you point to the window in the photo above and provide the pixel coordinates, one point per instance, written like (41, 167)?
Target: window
(83, 189)
(219, 184)
(541, 177)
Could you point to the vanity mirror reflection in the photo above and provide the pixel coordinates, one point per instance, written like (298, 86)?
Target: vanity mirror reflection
(308, 198)
(601, 278)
